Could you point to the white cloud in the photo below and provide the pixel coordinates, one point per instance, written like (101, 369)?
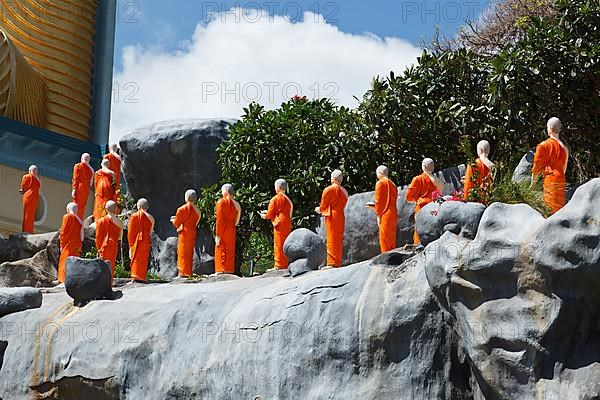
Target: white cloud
(243, 56)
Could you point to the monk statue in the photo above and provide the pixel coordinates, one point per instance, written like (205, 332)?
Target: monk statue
(280, 213)
(105, 188)
(186, 222)
(421, 190)
(479, 175)
(83, 179)
(551, 160)
(114, 160)
(386, 209)
(109, 232)
(139, 231)
(71, 239)
(228, 214)
(30, 189)
(333, 203)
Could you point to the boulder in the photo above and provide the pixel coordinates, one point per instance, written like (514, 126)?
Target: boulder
(457, 217)
(153, 155)
(361, 234)
(22, 246)
(523, 298)
(163, 258)
(38, 271)
(88, 280)
(305, 250)
(522, 172)
(13, 300)
(358, 332)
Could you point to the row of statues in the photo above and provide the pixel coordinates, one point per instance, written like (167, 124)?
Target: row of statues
(551, 159)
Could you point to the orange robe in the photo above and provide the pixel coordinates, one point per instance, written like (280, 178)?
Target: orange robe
(476, 177)
(71, 235)
(186, 221)
(386, 197)
(115, 166)
(280, 214)
(105, 191)
(333, 202)
(30, 186)
(551, 160)
(225, 229)
(420, 191)
(108, 234)
(82, 184)
(139, 233)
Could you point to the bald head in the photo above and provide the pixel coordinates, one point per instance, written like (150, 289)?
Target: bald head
(428, 165)
(281, 185)
(227, 190)
(72, 208)
(554, 126)
(337, 176)
(113, 148)
(190, 195)
(143, 204)
(86, 158)
(111, 206)
(382, 172)
(33, 169)
(483, 148)
(105, 163)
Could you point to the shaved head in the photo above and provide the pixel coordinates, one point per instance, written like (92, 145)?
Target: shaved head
(85, 158)
(337, 176)
(111, 206)
(105, 163)
(190, 195)
(554, 125)
(113, 147)
(227, 188)
(483, 147)
(72, 208)
(143, 204)
(33, 169)
(428, 165)
(281, 184)
(382, 170)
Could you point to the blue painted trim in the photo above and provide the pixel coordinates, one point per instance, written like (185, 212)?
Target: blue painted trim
(104, 54)
(22, 145)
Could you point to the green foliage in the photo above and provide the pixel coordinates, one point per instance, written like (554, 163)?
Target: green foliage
(259, 248)
(509, 192)
(90, 255)
(121, 271)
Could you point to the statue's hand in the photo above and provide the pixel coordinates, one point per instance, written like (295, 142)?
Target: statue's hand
(318, 210)
(217, 241)
(73, 194)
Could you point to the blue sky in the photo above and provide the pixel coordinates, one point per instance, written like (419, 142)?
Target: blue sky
(167, 24)
(174, 62)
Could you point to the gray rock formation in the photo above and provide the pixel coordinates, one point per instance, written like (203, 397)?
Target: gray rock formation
(361, 235)
(14, 300)
(153, 156)
(305, 250)
(364, 331)
(451, 216)
(88, 280)
(22, 246)
(522, 172)
(164, 256)
(523, 299)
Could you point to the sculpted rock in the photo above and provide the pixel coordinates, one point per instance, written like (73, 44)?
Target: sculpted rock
(153, 155)
(361, 332)
(361, 234)
(305, 250)
(14, 300)
(164, 256)
(524, 299)
(451, 216)
(88, 280)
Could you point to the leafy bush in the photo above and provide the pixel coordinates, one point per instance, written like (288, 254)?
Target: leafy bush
(509, 192)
